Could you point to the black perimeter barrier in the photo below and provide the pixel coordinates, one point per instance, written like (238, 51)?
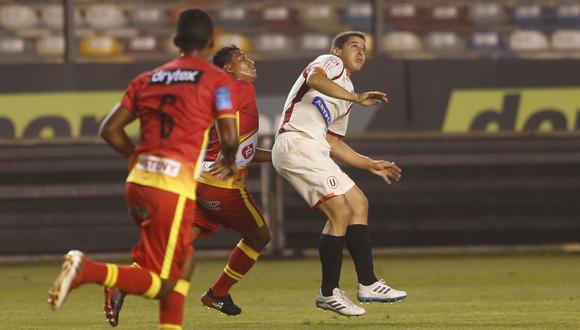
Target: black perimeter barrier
(456, 190)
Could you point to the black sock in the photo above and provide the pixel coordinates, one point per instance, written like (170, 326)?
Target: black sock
(358, 244)
(330, 250)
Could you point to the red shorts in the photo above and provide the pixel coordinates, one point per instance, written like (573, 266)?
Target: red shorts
(165, 222)
(233, 208)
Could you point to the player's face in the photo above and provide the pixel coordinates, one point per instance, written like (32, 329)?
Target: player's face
(353, 53)
(242, 67)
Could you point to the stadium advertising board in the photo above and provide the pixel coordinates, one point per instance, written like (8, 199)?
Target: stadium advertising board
(55, 115)
(526, 109)
(462, 96)
(450, 96)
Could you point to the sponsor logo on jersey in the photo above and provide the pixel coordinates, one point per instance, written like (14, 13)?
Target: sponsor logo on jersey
(332, 182)
(320, 105)
(223, 99)
(248, 151)
(158, 165)
(210, 205)
(176, 76)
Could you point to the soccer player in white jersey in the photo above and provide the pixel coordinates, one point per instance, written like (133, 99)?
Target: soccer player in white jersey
(314, 121)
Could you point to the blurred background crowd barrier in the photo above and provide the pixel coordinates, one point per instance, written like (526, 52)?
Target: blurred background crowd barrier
(483, 117)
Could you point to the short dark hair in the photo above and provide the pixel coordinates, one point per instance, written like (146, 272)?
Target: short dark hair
(224, 55)
(194, 30)
(340, 39)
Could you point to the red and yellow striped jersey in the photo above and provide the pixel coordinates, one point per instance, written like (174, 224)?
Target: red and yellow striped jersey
(177, 104)
(248, 124)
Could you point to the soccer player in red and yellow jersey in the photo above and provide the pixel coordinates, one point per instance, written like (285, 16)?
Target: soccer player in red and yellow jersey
(226, 201)
(177, 105)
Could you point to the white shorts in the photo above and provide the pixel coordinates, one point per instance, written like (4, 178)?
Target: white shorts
(307, 165)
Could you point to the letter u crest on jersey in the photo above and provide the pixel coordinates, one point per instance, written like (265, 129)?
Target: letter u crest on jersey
(332, 182)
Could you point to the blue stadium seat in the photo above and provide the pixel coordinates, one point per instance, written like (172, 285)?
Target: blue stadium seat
(568, 15)
(358, 16)
(529, 15)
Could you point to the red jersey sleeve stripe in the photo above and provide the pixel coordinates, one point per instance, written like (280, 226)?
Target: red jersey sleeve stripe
(305, 72)
(301, 92)
(339, 75)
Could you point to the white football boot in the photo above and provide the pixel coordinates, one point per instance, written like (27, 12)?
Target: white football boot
(62, 285)
(338, 303)
(380, 292)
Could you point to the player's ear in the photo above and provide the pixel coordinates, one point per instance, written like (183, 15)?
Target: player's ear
(336, 51)
(176, 41)
(228, 68)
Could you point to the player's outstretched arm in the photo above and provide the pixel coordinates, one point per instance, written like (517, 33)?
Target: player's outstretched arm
(318, 80)
(262, 156)
(112, 130)
(341, 151)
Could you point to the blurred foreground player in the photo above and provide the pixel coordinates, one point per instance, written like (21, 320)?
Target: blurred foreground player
(313, 123)
(176, 105)
(227, 202)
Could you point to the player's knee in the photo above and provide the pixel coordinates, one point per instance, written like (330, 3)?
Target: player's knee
(258, 239)
(166, 288)
(264, 238)
(361, 206)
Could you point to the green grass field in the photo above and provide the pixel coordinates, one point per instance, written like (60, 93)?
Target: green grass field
(445, 292)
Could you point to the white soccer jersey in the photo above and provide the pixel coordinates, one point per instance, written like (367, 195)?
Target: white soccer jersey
(309, 111)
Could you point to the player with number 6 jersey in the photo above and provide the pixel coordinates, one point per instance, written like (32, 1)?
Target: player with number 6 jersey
(176, 105)
(226, 201)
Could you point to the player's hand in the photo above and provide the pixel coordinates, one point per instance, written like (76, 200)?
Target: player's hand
(371, 98)
(388, 171)
(222, 169)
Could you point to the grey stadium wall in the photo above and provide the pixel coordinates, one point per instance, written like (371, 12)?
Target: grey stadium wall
(458, 189)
